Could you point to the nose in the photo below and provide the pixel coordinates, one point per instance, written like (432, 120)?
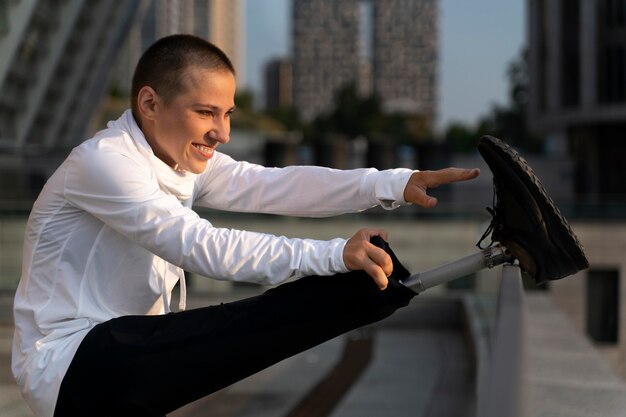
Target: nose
(220, 133)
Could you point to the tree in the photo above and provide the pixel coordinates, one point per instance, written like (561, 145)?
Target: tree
(356, 116)
(510, 123)
(244, 100)
(287, 116)
(461, 137)
(352, 115)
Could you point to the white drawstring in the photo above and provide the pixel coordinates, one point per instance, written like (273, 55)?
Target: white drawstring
(182, 303)
(166, 301)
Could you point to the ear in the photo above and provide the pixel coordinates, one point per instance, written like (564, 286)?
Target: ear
(147, 100)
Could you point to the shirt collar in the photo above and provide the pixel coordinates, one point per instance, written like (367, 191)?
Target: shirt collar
(177, 182)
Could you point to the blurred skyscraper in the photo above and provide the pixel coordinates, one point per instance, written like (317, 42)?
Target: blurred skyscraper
(577, 97)
(389, 47)
(577, 68)
(55, 61)
(221, 22)
(278, 84)
(405, 55)
(218, 21)
(326, 53)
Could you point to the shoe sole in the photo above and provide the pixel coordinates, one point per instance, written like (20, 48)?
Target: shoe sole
(564, 243)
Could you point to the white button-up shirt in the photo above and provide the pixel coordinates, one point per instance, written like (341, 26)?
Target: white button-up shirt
(112, 228)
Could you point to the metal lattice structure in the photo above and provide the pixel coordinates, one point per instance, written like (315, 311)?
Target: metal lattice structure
(56, 58)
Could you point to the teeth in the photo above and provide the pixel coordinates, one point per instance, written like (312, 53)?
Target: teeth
(204, 149)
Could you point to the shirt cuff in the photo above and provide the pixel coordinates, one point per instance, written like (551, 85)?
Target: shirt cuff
(337, 262)
(323, 258)
(388, 187)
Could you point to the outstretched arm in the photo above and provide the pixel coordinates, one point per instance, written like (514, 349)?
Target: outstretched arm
(307, 191)
(360, 254)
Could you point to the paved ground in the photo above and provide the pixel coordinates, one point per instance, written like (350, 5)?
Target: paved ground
(420, 365)
(11, 404)
(566, 376)
(419, 361)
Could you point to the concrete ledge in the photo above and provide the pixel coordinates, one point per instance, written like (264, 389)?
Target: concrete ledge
(566, 375)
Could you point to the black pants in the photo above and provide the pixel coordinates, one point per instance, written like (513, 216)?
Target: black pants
(152, 365)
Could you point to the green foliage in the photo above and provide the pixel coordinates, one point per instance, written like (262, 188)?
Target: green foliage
(509, 124)
(248, 118)
(116, 91)
(287, 116)
(461, 138)
(244, 100)
(356, 116)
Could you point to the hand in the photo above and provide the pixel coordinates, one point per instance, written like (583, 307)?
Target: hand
(360, 254)
(421, 181)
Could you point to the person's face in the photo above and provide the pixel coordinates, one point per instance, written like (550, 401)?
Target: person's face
(186, 131)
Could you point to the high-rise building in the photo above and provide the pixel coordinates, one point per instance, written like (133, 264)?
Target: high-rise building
(218, 21)
(325, 52)
(404, 56)
(577, 100)
(278, 84)
(384, 46)
(577, 96)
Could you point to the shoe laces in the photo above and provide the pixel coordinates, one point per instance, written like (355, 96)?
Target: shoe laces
(495, 220)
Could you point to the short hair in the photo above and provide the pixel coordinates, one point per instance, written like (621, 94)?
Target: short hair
(163, 65)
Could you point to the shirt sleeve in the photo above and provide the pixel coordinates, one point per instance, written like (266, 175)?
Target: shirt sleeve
(298, 190)
(122, 193)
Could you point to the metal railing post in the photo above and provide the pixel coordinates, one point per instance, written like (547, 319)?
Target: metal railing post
(502, 391)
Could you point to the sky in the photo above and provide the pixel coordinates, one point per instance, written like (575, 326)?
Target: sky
(477, 38)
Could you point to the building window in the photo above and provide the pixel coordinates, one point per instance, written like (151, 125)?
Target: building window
(570, 53)
(538, 68)
(611, 51)
(603, 305)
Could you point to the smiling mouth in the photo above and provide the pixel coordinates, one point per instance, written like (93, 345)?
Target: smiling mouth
(204, 150)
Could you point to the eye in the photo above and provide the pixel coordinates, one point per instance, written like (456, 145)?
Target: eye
(205, 113)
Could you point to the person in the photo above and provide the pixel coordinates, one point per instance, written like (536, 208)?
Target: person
(113, 230)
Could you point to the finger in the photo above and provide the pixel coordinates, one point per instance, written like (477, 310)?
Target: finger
(449, 175)
(376, 232)
(418, 196)
(380, 258)
(415, 191)
(372, 269)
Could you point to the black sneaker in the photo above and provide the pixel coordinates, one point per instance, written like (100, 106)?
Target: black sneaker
(526, 220)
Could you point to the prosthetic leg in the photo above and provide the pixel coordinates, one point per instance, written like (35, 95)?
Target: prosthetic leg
(486, 258)
(526, 227)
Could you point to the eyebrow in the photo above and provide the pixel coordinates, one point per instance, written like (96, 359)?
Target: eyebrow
(212, 107)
